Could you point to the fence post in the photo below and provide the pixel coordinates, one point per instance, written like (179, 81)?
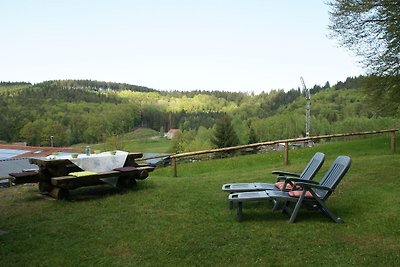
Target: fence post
(174, 170)
(393, 142)
(286, 154)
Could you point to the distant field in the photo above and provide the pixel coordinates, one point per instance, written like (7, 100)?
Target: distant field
(140, 140)
(145, 140)
(185, 221)
(159, 145)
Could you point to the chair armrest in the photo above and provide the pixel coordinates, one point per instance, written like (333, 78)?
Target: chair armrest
(283, 173)
(284, 178)
(298, 180)
(313, 185)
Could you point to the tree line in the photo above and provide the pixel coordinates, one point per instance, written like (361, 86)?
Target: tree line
(76, 114)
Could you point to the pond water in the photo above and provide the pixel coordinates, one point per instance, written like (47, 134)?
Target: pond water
(150, 155)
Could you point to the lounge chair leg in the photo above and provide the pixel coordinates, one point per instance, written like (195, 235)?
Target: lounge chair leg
(297, 207)
(230, 205)
(276, 205)
(329, 213)
(239, 212)
(286, 208)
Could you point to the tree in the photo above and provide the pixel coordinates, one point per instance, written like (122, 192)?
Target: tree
(113, 143)
(371, 28)
(177, 142)
(224, 134)
(31, 132)
(383, 92)
(58, 131)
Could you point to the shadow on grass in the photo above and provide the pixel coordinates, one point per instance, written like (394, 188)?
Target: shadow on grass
(102, 191)
(262, 212)
(87, 193)
(278, 216)
(95, 192)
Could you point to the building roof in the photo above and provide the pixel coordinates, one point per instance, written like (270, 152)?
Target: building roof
(170, 134)
(15, 158)
(21, 151)
(15, 165)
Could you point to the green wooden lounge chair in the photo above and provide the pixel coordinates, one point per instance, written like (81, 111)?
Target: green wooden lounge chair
(313, 194)
(308, 174)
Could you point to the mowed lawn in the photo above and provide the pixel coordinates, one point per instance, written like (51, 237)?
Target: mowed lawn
(185, 221)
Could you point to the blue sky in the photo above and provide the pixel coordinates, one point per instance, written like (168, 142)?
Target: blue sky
(232, 45)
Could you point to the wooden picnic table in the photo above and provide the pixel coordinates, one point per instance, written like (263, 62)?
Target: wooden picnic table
(56, 176)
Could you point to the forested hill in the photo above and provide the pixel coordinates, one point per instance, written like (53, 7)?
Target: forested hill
(95, 85)
(75, 111)
(237, 97)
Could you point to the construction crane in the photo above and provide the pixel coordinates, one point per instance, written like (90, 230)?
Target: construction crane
(308, 107)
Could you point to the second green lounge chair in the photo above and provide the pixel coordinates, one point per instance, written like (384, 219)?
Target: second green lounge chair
(312, 194)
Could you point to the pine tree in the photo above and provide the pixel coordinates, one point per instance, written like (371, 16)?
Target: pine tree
(224, 134)
(252, 136)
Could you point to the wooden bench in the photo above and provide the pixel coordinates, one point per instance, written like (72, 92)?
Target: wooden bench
(126, 178)
(24, 177)
(140, 172)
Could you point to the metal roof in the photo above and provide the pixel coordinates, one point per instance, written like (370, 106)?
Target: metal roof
(21, 151)
(10, 153)
(15, 165)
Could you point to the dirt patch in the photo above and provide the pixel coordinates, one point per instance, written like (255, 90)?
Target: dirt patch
(369, 241)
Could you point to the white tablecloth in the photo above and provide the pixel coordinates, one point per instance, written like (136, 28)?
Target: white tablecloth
(101, 162)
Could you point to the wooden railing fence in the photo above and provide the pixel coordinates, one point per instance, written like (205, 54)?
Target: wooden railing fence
(286, 142)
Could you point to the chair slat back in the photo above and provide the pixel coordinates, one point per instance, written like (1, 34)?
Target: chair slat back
(334, 175)
(313, 166)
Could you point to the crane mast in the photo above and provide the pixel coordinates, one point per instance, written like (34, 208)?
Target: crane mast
(308, 106)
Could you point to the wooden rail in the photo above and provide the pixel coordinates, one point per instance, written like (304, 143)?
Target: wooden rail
(174, 157)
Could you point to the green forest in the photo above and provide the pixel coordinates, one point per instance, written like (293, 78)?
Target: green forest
(86, 111)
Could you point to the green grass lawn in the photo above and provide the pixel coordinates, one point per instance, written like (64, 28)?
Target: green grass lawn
(185, 221)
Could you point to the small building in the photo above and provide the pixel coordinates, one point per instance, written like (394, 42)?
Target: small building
(171, 133)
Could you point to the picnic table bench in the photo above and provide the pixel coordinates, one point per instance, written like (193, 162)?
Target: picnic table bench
(56, 176)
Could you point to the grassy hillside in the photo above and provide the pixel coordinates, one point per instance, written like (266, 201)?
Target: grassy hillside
(146, 140)
(140, 140)
(185, 221)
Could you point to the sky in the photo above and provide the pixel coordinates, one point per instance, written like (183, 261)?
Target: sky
(226, 45)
